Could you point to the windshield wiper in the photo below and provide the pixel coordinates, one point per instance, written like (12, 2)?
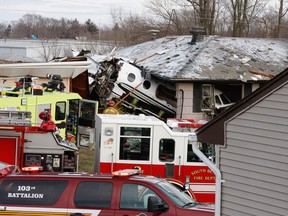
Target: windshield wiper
(191, 203)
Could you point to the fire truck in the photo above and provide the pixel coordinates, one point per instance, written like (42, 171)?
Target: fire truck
(68, 109)
(158, 148)
(24, 145)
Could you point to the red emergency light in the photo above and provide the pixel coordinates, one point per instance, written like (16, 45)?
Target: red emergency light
(127, 172)
(183, 123)
(32, 169)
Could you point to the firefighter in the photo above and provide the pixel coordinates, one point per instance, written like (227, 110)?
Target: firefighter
(111, 109)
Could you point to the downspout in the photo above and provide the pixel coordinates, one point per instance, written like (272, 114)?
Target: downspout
(213, 167)
(182, 95)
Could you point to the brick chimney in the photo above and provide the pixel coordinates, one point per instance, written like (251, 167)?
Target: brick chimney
(197, 34)
(154, 33)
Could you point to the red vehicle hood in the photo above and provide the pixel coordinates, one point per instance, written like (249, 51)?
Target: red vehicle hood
(200, 209)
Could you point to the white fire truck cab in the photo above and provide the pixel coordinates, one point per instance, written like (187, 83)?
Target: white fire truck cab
(158, 148)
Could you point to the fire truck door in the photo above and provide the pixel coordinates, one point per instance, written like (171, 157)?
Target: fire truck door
(86, 123)
(9, 150)
(167, 154)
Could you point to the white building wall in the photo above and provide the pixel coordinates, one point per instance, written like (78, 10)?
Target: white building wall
(185, 104)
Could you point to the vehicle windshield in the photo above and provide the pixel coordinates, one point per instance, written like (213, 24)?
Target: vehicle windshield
(180, 198)
(225, 99)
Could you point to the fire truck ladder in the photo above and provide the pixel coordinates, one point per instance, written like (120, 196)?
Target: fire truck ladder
(15, 118)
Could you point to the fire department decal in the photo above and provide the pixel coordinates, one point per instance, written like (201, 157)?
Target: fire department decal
(25, 195)
(25, 192)
(203, 173)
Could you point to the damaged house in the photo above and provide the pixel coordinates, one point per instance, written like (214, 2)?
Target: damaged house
(181, 76)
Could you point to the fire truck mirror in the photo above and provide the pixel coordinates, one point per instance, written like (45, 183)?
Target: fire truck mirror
(186, 185)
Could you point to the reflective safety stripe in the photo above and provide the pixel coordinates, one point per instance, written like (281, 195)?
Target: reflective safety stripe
(27, 211)
(203, 187)
(32, 213)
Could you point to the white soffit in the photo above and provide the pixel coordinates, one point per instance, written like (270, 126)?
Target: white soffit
(65, 69)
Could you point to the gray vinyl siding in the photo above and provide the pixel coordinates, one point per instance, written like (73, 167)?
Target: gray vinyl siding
(254, 162)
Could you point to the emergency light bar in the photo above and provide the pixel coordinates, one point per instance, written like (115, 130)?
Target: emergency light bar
(32, 169)
(127, 172)
(37, 90)
(183, 123)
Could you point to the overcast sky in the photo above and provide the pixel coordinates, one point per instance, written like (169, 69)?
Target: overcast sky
(97, 10)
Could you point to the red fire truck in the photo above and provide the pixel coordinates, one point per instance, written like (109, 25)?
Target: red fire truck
(158, 148)
(24, 145)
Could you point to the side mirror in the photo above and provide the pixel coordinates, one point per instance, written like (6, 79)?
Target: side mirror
(186, 185)
(154, 206)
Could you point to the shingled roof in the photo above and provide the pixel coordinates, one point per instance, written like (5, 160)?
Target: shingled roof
(214, 58)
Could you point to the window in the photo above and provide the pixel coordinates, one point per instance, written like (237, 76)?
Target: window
(31, 192)
(134, 143)
(72, 119)
(135, 196)
(167, 93)
(217, 100)
(131, 77)
(166, 150)
(60, 110)
(197, 97)
(87, 113)
(93, 195)
(206, 149)
(147, 84)
(225, 99)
